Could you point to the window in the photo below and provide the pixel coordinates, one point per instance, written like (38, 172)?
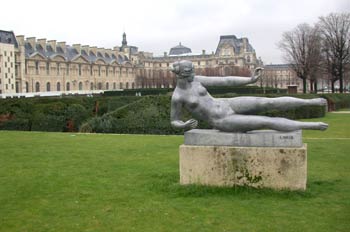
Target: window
(67, 69)
(27, 87)
(120, 85)
(99, 86)
(80, 86)
(79, 69)
(48, 87)
(91, 70)
(127, 85)
(36, 67)
(58, 86)
(58, 68)
(67, 86)
(99, 70)
(91, 86)
(114, 85)
(107, 71)
(107, 86)
(47, 68)
(37, 87)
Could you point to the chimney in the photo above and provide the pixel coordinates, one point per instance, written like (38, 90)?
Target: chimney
(42, 43)
(203, 52)
(52, 43)
(20, 39)
(165, 54)
(245, 44)
(32, 42)
(77, 47)
(85, 48)
(62, 45)
(94, 50)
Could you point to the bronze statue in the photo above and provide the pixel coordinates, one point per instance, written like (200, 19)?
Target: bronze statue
(231, 114)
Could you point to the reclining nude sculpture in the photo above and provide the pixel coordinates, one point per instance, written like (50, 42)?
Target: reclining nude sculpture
(231, 114)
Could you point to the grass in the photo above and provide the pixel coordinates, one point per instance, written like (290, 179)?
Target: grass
(80, 182)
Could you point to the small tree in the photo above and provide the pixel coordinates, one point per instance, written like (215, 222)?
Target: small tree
(302, 51)
(335, 31)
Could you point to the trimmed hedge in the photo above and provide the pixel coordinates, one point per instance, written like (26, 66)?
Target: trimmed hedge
(56, 114)
(122, 114)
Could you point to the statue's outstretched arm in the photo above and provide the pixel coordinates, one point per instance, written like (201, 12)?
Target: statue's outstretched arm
(175, 117)
(230, 80)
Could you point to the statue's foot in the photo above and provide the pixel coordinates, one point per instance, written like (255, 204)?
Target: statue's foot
(319, 102)
(322, 126)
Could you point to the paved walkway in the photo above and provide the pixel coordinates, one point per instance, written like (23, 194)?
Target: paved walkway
(340, 112)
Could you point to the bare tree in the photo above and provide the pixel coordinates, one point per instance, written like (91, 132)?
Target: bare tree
(302, 51)
(335, 31)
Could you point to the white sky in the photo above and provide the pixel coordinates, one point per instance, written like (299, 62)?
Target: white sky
(156, 26)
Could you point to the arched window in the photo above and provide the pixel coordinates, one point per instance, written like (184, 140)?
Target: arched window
(37, 87)
(58, 86)
(127, 85)
(67, 86)
(48, 87)
(133, 85)
(99, 86)
(79, 67)
(114, 85)
(91, 86)
(121, 85)
(80, 86)
(107, 86)
(248, 59)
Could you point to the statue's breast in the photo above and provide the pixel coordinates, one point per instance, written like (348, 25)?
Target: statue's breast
(202, 91)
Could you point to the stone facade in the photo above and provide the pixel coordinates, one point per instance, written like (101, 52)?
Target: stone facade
(7, 63)
(280, 76)
(42, 66)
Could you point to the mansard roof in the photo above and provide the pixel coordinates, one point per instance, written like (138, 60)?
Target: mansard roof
(70, 53)
(8, 37)
(179, 50)
(236, 43)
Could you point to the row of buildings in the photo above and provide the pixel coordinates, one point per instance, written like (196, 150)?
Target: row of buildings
(30, 65)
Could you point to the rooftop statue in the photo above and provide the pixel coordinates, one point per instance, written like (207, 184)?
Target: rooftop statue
(231, 114)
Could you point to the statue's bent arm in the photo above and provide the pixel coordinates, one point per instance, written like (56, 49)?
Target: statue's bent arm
(175, 117)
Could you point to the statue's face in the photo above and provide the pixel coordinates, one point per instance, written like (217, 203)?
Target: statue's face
(186, 70)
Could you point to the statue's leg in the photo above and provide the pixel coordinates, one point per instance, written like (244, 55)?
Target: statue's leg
(243, 123)
(251, 105)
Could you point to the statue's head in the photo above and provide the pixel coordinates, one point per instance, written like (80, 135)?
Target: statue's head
(183, 69)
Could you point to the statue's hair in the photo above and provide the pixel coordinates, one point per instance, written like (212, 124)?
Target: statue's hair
(176, 66)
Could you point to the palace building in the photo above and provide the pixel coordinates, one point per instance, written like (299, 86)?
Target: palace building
(30, 65)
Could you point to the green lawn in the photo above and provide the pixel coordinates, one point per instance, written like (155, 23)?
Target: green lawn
(80, 182)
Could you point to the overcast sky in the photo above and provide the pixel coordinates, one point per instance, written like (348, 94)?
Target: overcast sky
(156, 26)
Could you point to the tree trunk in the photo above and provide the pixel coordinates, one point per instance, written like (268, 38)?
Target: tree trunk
(311, 86)
(341, 88)
(315, 86)
(304, 85)
(332, 85)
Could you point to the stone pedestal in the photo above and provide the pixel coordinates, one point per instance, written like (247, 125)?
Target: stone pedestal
(279, 162)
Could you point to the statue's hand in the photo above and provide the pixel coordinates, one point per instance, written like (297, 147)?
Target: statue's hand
(257, 74)
(191, 124)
